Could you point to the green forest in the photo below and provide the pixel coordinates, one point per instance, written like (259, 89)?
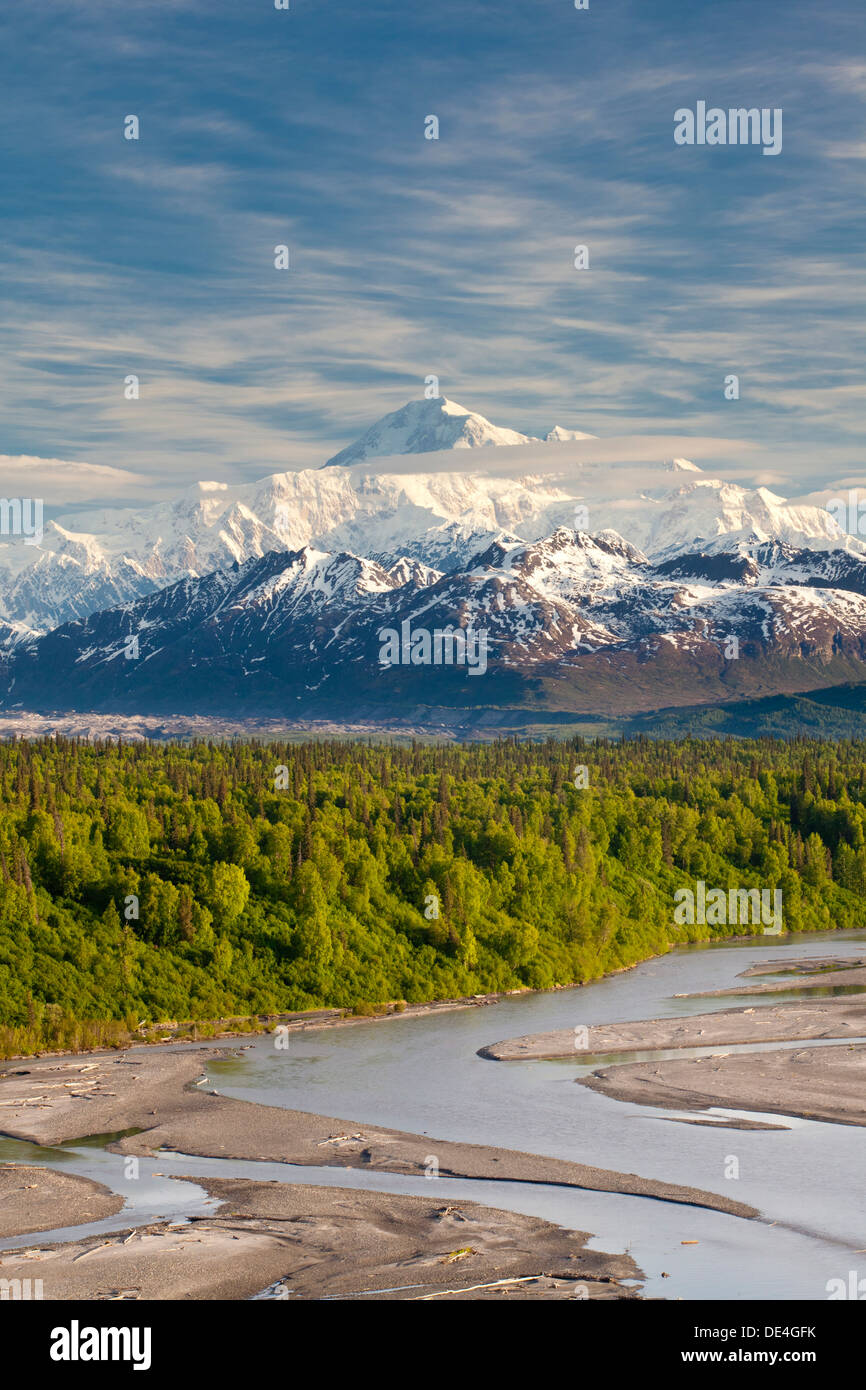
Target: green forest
(142, 882)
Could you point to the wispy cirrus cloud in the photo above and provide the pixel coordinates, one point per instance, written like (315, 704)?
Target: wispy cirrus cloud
(412, 257)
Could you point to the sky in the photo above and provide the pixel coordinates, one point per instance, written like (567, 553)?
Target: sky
(411, 257)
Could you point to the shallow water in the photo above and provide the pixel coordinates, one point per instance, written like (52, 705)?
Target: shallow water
(424, 1075)
(148, 1196)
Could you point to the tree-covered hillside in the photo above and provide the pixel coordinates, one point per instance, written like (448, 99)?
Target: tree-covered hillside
(279, 877)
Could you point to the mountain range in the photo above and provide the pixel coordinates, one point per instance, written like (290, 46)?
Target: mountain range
(600, 588)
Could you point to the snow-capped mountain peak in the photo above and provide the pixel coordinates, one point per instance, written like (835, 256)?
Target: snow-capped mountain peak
(558, 435)
(680, 466)
(423, 427)
(572, 620)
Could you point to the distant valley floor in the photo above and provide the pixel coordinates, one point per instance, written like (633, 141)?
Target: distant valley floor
(837, 712)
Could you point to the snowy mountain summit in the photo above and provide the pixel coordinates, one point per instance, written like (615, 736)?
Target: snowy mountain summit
(426, 426)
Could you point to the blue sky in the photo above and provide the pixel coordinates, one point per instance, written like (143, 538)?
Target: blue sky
(411, 256)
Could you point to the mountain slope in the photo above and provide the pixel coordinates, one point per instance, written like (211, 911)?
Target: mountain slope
(98, 559)
(573, 622)
(675, 588)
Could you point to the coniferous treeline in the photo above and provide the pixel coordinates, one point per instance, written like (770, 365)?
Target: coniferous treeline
(251, 899)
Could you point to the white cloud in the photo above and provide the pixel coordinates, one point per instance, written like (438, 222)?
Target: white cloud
(59, 481)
